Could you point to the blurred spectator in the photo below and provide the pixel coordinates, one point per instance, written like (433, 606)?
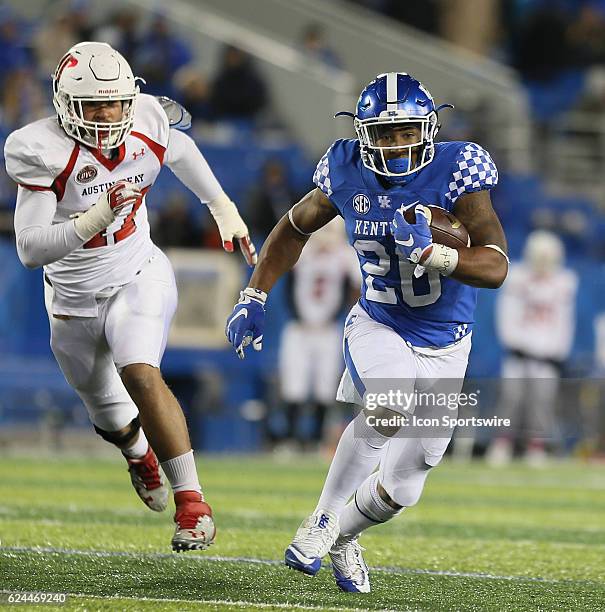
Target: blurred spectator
(238, 90)
(310, 361)
(193, 92)
(271, 200)
(21, 97)
(174, 225)
(315, 47)
(544, 49)
(12, 44)
(78, 12)
(586, 33)
(121, 32)
(50, 42)
(536, 314)
(160, 54)
(422, 15)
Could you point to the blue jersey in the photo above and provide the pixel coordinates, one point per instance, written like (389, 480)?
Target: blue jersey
(430, 311)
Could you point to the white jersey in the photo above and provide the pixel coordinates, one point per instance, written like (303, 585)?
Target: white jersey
(40, 156)
(536, 314)
(321, 275)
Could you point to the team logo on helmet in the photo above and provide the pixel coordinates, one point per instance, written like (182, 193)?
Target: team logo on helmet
(87, 174)
(361, 203)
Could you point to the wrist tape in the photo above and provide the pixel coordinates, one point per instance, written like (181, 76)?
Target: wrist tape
(444, 259)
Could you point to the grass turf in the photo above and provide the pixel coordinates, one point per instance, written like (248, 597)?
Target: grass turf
(513, 539)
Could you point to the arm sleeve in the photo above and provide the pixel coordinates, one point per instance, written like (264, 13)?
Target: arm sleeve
(39, 242)
(190, 167)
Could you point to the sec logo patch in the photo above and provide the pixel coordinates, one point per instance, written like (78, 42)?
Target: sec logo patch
(86, 174)
(361, 203)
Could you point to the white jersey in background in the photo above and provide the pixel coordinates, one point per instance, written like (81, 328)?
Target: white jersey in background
(327, 266)
(41, 157)
(535, 313)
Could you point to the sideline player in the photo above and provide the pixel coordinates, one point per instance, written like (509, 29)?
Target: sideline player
(537, 329)
(110, 292)
(310, 364)
(412, 324)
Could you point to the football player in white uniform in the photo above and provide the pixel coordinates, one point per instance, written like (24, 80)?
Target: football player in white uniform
(110, 292)
(535, 320)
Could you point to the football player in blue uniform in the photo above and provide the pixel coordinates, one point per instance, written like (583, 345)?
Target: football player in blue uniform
(413, 323)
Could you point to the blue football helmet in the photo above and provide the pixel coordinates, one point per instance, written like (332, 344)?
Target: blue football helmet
(396, 98)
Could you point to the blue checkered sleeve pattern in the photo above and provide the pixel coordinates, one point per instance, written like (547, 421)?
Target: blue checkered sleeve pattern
(475, 171)
(321, 177)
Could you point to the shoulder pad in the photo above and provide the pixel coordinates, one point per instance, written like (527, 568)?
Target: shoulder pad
(179, 117)
(151, 120)
(472, 169)
(37, 153)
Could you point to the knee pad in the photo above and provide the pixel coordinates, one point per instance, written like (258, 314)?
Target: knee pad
(370, 504)
(120, 438)
(407, 488)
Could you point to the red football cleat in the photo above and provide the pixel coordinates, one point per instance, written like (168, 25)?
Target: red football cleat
(195, 528)
(148, 481)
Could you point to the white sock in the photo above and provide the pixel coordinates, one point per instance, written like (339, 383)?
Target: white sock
(366, 509)
(181, 473)
(357, 455)
(138, 448)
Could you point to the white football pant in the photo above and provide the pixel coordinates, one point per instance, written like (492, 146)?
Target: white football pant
(132, 327)
(377, 358)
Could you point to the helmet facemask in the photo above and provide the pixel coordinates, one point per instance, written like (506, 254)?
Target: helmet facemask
(99, 135)
(419, 154)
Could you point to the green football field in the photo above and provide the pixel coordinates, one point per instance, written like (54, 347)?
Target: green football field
(513, 539)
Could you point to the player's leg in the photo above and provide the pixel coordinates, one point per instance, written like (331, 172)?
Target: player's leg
(372, 351)
(327, 360)
(512, 401)
(86, 362)
(136, 328)
(542, 386)
(399, 483)
(294, 365)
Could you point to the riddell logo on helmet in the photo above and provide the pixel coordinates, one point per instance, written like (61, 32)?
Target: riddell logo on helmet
(107, 91)
(87, 174)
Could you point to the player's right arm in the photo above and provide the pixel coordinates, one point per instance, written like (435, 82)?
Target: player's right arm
(278, 256)
(40, 242)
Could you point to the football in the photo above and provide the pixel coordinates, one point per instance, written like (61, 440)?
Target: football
(445, 228)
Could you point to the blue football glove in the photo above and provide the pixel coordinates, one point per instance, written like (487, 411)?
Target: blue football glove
(246, 323)
(413, 240)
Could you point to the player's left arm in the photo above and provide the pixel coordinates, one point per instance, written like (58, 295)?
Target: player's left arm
(484, 263)
(191, 168)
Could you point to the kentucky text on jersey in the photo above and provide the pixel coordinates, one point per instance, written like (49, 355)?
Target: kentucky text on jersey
(430, 311)
(371, 228)
(98, 189)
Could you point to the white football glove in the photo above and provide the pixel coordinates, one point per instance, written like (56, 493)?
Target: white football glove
(107, 207)
(230, 226)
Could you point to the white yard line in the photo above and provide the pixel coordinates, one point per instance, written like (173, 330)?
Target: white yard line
(274, 562)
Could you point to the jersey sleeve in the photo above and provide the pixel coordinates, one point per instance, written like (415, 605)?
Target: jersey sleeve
(473, 170)
(321, 176)
(25, 164)
(331, 172)
(151, 120)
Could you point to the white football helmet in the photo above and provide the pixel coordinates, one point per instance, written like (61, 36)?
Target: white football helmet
(90, 72)
(544, 251)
